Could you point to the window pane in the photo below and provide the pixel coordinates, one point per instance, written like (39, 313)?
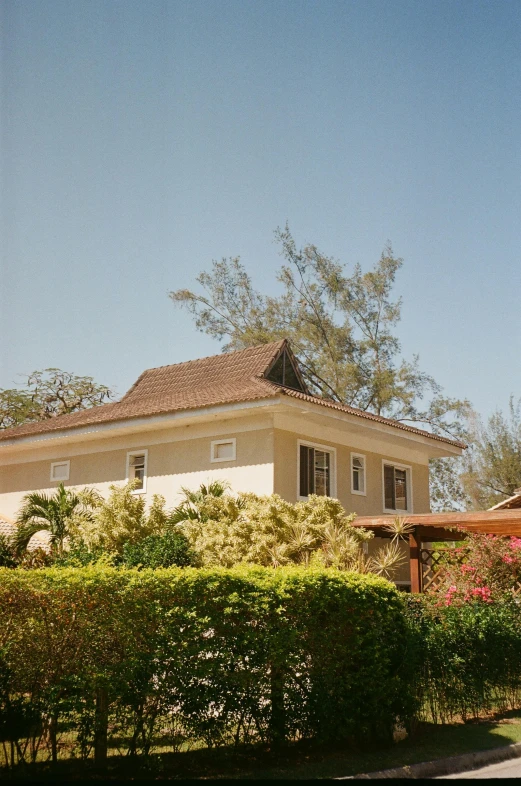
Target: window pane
(224, 451)
(400, 489)
(322, 484)
(389, 487)
(356, 480)
(304, 470)
(60, 472)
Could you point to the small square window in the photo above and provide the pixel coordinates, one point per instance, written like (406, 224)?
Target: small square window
(357, 474)
(223, 450)
(60, 470)
(137, 470)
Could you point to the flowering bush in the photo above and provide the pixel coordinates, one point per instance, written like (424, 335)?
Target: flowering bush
(485, 569)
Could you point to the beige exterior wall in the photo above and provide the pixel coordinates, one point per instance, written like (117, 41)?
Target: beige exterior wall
(171, 464)
(286, 481)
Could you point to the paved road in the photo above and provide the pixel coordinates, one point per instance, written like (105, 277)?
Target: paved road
(505, 769)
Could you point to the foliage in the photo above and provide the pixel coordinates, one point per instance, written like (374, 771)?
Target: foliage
(340, 324)
(203, 657)
(123, 518)
(49, 393)
(159, 551)
(470, 657)
(493, 464)
(446, 491)
(61, 514)
(228, 530)
(196, 504)
(7, 553)
(482, 568)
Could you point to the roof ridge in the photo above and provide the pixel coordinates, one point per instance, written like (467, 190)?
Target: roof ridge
(280, 343)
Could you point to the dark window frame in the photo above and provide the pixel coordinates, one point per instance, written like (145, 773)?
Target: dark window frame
(394, 477)
(309, 471)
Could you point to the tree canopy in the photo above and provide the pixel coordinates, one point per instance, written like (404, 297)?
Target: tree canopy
(493, 463)
(48, 393)
(341, 324)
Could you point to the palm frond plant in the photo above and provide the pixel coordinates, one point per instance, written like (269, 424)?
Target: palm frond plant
(387, 560)
(59, 514)
(399, 529)
(194, 503)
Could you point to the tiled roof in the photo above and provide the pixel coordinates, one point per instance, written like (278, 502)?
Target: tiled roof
(7, 527)
(40, 539)
(512, 502)
(220, 379)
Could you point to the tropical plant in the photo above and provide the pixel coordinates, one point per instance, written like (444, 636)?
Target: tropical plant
(195, 504)
(61, 514)
(227, 530)
(123, 518)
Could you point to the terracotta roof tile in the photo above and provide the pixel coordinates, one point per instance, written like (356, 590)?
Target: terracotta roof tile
(219, 379)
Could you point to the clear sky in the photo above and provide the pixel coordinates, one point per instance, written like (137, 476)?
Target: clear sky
(141, 140)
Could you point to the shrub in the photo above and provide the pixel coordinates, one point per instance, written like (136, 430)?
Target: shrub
(470, 656)
(159, 551)
(209, 656)
(483, 568)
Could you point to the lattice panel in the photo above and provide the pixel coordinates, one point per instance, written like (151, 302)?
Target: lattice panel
(433, 569)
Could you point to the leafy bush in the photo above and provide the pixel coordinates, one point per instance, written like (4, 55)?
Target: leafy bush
(159, 551)
(123, 518)
(483, 568)
(7, 553)
(470, 656)
(228, 530)
(204, 656)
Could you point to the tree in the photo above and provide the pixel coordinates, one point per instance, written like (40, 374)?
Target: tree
(493, 463)
(60, 514)
(49, 393)
(341, 325)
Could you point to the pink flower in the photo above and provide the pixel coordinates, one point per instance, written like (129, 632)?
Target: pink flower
(508, 559)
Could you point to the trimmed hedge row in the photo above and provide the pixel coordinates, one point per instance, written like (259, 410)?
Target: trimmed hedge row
(98, 658)
(468, 656)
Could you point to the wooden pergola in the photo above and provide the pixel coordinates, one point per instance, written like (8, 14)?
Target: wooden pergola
(433, 527)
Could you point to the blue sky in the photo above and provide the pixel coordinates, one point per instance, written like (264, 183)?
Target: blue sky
(141, 140)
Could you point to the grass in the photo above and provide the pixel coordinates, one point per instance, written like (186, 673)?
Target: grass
(298, 761)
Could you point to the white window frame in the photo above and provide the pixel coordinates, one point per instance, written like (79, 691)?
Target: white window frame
(231, 440)
(408, 470)
(364, 464)
(328, 449)
(142, 452)
(60, 464)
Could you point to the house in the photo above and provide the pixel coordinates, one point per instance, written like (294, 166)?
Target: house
(244, 417)
(510, 503)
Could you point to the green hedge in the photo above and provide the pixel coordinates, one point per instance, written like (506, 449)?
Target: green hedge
(469, 657)
(177, 656)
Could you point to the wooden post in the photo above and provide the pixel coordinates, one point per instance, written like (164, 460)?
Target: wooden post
(415, 561)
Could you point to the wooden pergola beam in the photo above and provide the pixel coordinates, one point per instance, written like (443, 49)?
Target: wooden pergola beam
(490, 522)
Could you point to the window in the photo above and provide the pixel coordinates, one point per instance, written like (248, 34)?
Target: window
(283, 372)
(223, 450)
(60, 470)
(137, 470)
(357, 474)
(397, 487)
(315, 470)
